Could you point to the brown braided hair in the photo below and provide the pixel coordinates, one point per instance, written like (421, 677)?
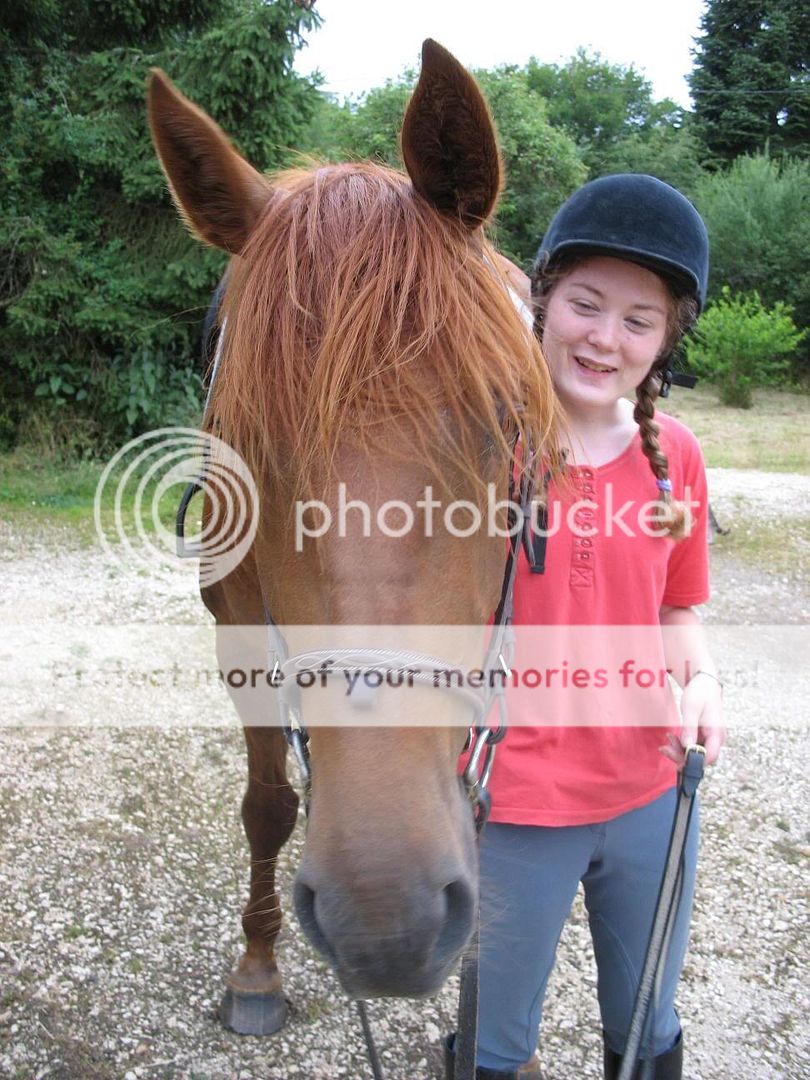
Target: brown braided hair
(670, 516)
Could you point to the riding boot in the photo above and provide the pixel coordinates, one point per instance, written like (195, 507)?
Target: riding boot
(530, 1070)
(668, 1066)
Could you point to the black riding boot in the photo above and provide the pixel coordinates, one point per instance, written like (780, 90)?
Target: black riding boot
(668, 1066)
(530, 1070)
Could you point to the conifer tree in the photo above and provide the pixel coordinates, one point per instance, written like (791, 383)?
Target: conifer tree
(751, 81)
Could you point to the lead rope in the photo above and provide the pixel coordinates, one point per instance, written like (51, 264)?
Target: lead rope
(466, 1044)
(371, 1049)
(666, 910)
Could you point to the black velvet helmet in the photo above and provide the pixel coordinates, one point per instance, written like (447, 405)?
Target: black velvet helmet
(635, 217)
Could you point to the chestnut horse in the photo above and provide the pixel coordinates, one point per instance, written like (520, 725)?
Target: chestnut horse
(370, 340)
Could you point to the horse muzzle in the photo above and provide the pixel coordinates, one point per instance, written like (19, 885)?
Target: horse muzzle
(400, 940)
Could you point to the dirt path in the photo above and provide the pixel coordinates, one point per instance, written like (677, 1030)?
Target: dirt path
(123, 867)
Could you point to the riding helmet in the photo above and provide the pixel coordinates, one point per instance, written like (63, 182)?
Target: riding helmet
(635, 217)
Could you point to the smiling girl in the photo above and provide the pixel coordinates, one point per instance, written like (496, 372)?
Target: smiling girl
(620, 275)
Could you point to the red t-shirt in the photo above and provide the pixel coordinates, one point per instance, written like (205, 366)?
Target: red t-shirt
(599, 584)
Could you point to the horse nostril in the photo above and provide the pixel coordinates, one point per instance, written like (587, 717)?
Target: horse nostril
(409, 954)
(460, 899)
(304, 901)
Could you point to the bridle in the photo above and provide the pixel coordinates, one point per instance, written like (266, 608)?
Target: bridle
(482, 740)
(422, 669)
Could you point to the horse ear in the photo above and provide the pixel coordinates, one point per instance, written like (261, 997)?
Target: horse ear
(218, 193)
(448, 140)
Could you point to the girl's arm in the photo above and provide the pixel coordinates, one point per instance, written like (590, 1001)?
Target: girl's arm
(688, 658)
(516, 278)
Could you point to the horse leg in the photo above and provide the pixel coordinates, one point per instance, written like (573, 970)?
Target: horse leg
(254, 1003)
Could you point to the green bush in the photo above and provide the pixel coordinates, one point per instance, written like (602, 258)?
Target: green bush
(740, 344)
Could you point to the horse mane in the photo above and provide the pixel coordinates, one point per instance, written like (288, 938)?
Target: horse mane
(356, 306)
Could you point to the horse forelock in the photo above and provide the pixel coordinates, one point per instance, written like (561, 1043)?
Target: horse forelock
(356, 310)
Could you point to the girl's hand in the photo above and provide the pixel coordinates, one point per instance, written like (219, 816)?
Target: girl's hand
(701, 719)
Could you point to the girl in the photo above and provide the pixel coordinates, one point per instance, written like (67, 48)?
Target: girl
(620, 275)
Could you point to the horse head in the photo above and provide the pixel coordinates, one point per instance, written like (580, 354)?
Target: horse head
(373, 354)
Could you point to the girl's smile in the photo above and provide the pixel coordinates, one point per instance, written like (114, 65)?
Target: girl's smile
(594, 366)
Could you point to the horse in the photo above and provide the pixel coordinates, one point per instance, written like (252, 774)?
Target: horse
(370, 343)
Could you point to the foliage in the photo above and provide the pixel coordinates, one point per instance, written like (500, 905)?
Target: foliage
(328, 132)
(751, 81)
(542, 163)
(740, 344)
(101, 292)
(758, 216)
(373, 125)
(599, 104)
(669, 152)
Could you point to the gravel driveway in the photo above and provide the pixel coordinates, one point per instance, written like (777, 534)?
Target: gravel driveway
(123, 864)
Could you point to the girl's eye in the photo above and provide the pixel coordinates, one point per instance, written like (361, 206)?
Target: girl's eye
(638, 325)
(583, 305)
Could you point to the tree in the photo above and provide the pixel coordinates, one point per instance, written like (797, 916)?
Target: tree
(758, 216)
(751, 80)
(101, 292)
(670, 153)
(598, 103)
(542, 163)
(376, 120)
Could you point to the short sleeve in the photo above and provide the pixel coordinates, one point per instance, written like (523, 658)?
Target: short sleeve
(687, 581)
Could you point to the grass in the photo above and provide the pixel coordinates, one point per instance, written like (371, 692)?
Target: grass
(782, 546)
(36, 489)
(773, 436)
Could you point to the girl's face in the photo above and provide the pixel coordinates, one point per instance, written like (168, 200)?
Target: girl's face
(605, 324)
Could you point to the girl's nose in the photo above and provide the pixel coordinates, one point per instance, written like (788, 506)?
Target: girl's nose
(604, 333)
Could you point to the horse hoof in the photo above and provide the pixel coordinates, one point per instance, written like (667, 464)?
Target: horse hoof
(252, 1012)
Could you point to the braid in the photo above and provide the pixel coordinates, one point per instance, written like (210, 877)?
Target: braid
(671, 516)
